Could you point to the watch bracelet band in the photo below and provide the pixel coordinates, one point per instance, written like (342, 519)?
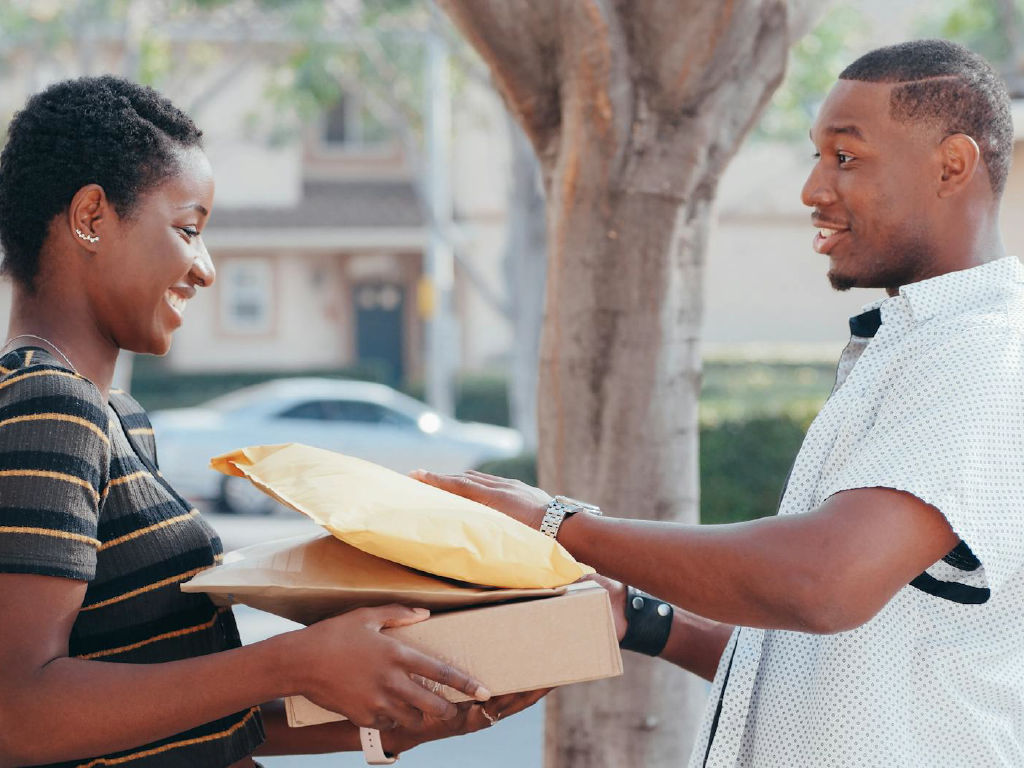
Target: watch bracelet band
(373, 750)
(559, 509)
(648, 623)
(554, 516)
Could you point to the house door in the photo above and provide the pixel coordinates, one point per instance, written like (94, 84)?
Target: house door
(380, 309)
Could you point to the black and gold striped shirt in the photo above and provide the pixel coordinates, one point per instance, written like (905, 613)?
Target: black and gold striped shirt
(81, 498)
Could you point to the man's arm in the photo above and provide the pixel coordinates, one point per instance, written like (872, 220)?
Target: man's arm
(828, 570)
(694, 643)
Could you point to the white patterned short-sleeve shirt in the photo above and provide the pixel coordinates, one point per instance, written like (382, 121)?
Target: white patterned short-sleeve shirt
(929, 399)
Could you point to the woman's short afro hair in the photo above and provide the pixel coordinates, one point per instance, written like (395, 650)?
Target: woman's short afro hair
(949, 86)
(91, 130)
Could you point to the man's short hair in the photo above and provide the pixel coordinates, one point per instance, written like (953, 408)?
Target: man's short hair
(949, 86)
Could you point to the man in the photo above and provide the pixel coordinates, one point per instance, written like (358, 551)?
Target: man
(878, 620)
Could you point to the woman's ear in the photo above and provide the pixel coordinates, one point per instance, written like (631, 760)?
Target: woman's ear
(88, 216)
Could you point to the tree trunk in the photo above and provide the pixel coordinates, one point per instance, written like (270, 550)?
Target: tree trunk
(634, 107)
(525, 265)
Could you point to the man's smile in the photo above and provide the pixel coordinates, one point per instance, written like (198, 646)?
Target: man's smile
(827, 236)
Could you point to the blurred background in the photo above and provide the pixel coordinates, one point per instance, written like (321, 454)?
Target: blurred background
(379, 240)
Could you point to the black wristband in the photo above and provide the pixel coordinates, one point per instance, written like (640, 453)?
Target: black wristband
(648, 623)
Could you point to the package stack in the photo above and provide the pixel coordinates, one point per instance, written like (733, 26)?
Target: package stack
(507, 605)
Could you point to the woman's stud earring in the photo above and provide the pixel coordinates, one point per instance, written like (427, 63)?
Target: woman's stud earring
(87, 238)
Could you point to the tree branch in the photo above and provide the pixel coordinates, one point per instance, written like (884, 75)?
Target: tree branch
(685, 47)
(517, 40)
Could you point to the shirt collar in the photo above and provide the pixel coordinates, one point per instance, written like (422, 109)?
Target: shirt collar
(942, 295)
(954, 292)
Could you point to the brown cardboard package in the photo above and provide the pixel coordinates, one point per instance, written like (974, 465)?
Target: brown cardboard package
(309, 578)
(511, 647)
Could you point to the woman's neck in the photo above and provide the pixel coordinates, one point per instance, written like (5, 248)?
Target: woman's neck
(64, 327)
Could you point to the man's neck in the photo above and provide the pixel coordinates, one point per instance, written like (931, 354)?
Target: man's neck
(962, 253)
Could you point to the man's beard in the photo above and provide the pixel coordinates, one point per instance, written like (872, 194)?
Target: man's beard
(901, 264)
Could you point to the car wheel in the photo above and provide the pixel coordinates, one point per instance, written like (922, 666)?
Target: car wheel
(240, 497)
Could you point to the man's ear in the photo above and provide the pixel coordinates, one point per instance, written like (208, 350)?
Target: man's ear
(961, 159)
(89, 215)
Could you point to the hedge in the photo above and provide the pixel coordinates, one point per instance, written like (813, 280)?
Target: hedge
(743, 466)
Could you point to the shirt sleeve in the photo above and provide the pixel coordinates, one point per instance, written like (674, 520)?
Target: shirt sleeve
(951, 432)
(54, 467)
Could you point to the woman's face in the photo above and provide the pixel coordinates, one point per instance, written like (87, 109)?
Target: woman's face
(152, 262)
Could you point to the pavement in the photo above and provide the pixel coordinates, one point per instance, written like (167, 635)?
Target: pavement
(513, 743)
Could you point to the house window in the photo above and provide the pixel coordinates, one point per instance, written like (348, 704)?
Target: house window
(247, 295)
(350, 125)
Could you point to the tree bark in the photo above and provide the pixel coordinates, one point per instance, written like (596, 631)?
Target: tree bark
(633, 107)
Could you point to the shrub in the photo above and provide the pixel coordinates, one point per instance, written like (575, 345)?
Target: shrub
(743, 466)
(155, 388)
(522, 467)
(477, 398)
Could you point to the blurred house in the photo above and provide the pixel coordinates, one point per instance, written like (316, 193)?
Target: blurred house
(320, 244)
(319, 238)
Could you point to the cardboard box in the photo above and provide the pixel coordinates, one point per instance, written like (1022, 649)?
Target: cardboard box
(511, 647)
(312, 577)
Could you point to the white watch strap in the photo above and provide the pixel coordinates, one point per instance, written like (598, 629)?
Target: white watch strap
(373, 751)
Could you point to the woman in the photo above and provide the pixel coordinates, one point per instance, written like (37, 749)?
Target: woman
(104, 194)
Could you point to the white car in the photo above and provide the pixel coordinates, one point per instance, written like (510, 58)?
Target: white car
(371, 421)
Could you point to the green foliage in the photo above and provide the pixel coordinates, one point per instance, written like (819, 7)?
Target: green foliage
(308, 76)
(155, 388)
(815, 62)
(737, 391)
(975, 23)
(753, 418)
(483, 398)
(477, 398)
(520, 468)
(743, 467)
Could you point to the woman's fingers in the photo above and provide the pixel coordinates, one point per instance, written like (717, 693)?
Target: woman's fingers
(433, 670)
(404, 712)
(425, 700)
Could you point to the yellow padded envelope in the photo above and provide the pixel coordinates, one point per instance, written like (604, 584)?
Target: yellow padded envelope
(403, 520)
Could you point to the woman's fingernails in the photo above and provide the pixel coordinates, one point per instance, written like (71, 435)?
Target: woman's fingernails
(481, 693)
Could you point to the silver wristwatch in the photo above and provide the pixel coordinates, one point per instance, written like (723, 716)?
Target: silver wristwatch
(560, 508)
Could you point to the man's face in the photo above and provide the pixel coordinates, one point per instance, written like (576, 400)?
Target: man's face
(872, 190)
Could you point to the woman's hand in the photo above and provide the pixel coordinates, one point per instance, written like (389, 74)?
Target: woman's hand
(515, 498)
(470, 717)
(346, 665)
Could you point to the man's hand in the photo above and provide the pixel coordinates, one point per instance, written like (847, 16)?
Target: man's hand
(515, 498)
(471, 717)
